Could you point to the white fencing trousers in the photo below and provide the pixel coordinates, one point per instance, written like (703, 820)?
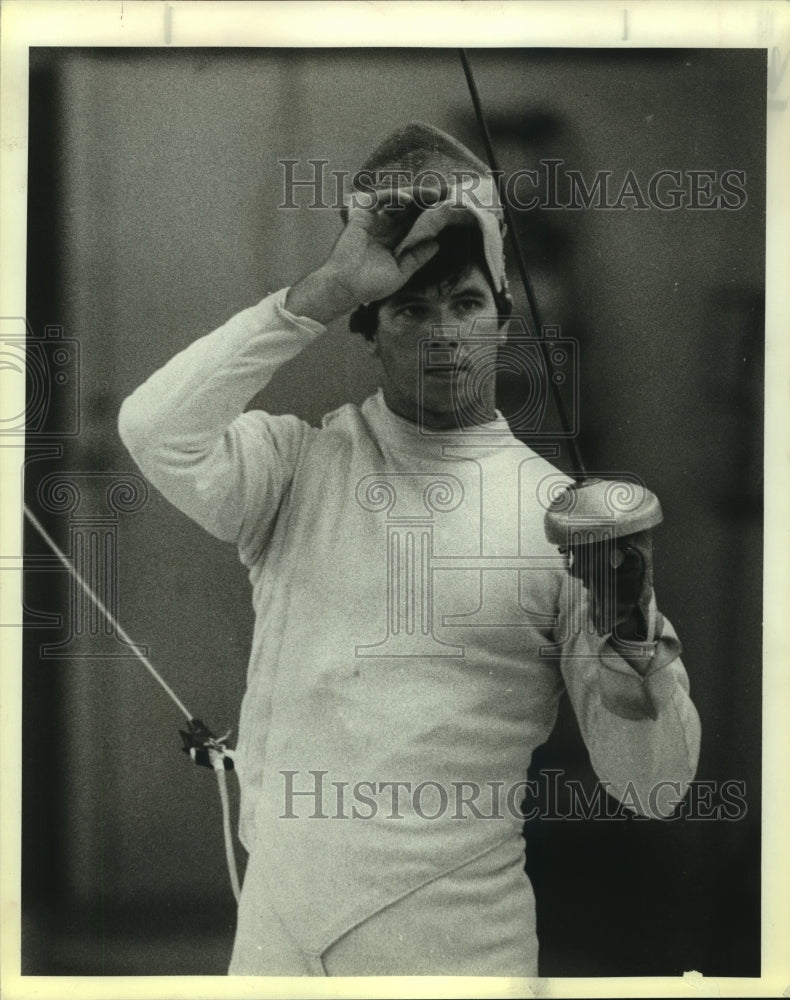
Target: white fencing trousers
(478, 920)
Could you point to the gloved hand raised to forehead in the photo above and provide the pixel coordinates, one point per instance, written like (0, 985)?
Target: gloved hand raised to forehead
(418, 181)
(404, 195)
(366, 260)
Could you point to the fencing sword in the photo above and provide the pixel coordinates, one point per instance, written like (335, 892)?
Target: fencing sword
(591, 510)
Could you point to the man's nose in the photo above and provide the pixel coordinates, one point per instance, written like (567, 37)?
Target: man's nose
(449, 351)
(446, 335)
(447, 318)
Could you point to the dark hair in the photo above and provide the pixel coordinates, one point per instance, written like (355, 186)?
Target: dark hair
(460, 248)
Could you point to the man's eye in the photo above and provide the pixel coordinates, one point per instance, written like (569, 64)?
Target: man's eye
(469, 305)
(413, 311)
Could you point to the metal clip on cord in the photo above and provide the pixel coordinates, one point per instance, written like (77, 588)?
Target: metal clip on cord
(207, 750)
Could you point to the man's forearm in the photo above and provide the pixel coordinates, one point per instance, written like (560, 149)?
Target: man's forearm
(186, 430)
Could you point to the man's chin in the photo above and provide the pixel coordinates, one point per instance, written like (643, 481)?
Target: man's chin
(438, 398)
(446, 410)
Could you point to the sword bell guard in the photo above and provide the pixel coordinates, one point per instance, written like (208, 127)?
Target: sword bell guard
(595, 509)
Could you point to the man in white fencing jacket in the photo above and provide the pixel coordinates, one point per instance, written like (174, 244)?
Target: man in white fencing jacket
(414, 628)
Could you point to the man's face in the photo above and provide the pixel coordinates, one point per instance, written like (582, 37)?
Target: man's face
(435, 369)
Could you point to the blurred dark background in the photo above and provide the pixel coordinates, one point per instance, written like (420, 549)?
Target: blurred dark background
(153, 216)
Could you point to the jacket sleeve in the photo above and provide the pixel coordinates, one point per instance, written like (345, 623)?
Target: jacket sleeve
(640, 726)
(186, 429)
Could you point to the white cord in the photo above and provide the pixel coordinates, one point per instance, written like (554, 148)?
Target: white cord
(230, 854)
(106, 612)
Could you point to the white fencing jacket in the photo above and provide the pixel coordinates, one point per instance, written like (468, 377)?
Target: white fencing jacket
(413, 629)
